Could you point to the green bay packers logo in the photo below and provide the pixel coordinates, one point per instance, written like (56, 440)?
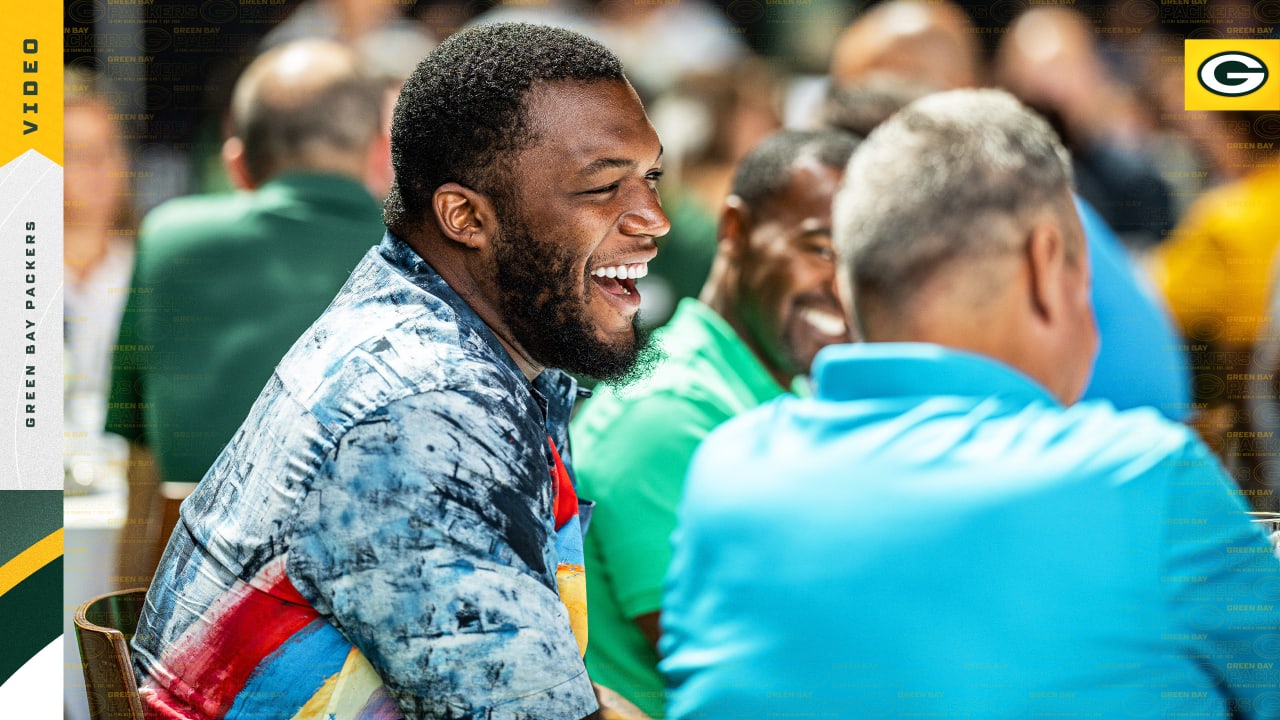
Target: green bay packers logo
(1232, 73)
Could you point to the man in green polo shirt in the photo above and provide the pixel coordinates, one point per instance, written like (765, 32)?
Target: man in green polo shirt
(225, 283)
(768, 306)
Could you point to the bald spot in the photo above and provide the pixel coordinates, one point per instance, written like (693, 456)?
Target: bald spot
(926, 43)
(289, 77)
(307, 106)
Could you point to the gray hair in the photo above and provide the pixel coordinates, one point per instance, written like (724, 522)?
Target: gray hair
(952, 177)
(299, 105)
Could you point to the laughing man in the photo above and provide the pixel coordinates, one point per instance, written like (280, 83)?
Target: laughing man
(393, 531)
(769, 305)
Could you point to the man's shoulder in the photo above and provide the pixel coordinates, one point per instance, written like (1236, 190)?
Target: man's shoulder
(966, 464)
(197, 233)
(676, 396)
(314, 400)
(1087, 440)
(1096, 435)
(687, 377)
(200, 214)
(225, 220)
(385, 338)
(670, 382)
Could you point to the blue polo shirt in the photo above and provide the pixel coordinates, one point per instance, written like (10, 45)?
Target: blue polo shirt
(933, 534)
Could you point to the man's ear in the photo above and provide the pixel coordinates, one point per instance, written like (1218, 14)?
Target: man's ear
(844, 292)
(464, 216)
(234, 163)
(734, 231)
(1046, 265)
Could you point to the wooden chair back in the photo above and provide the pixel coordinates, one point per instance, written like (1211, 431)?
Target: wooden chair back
(104, 627)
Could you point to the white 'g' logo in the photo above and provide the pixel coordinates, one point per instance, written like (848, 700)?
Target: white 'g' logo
(1232, 74)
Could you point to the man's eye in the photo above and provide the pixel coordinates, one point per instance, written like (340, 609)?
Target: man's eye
(654, 177)
(826, 252)
(603, 190)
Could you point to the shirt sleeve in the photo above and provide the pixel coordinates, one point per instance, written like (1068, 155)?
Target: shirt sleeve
(1223, 583)
(636, 467)
(425, 539)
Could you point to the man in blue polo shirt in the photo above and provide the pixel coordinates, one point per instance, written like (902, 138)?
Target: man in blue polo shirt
(941, 531)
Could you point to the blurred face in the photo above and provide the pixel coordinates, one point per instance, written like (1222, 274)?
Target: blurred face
(788, 292)
(580, 228)
(95, 165)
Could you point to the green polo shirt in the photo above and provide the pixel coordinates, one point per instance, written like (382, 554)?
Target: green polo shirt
(631, 448)
(223, 286)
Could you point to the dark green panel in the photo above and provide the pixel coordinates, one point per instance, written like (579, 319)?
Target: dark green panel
(26, 517)
(30, 617)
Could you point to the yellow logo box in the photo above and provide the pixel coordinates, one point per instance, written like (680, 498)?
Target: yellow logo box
(1232, 74)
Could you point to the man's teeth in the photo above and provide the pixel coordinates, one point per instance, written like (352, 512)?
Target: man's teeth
(825, 322)
(633, 271)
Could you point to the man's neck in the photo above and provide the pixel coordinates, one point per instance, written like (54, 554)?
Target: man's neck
(455, 271)
(725, 302)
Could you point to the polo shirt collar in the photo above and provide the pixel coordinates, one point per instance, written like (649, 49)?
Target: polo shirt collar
(721, 339)
(879, 370)
(337, 192)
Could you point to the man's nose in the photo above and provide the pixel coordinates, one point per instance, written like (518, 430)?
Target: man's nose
(646, 216)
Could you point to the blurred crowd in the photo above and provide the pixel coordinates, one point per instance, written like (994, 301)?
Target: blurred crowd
(181, 298)
(1184, 192)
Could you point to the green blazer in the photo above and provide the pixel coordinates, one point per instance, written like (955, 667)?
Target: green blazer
(223, 286)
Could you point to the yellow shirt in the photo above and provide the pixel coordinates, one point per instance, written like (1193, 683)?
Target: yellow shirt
(1216, 268)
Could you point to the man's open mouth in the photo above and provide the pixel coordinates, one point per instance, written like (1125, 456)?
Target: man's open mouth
(826, 322)
(619, 279)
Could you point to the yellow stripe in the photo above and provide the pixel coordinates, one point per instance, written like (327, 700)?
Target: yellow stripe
(345, 693)
(30, 560)
(571, 579)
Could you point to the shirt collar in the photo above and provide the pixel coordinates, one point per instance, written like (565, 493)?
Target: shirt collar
(733, 351)
(879, 370)
(553, 385)
(332, 190)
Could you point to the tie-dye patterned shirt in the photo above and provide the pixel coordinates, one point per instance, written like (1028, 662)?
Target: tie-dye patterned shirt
(379, 539)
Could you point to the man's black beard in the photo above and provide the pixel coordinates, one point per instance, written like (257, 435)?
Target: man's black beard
(549, 319)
